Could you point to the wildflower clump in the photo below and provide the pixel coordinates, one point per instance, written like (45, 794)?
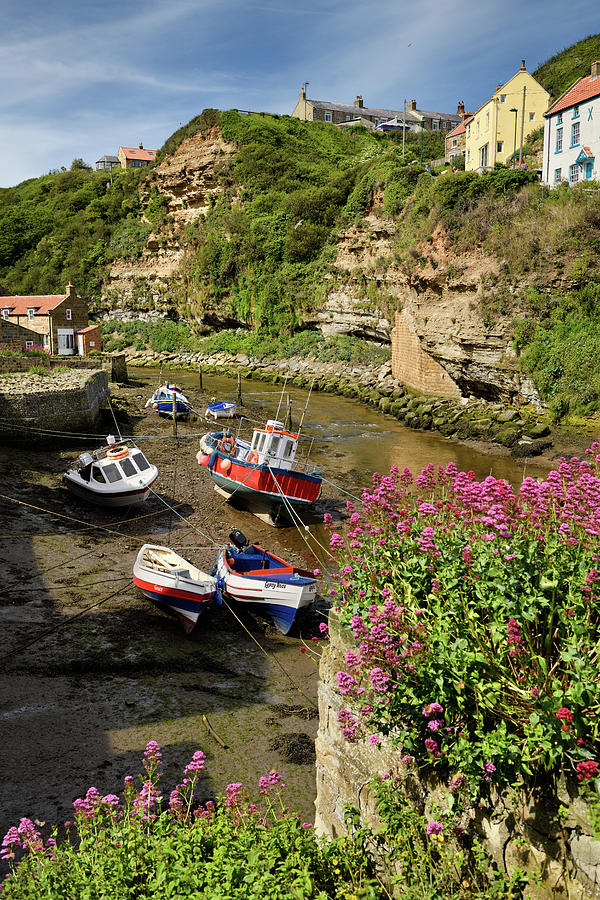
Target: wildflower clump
(475, 609)
(133, 846)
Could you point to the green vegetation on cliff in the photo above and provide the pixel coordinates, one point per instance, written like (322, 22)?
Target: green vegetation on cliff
(562, 69)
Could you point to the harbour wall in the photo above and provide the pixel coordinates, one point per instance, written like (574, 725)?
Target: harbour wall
(521, 829)
(34, 406)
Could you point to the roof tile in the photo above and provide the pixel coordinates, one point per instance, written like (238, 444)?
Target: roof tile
(43, 305)
(584, 89)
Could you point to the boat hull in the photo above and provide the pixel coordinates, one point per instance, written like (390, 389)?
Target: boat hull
(111, 500)
(275, 487)
(165, 408)
(279, 597)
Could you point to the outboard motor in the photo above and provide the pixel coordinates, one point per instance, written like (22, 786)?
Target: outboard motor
(238, 539)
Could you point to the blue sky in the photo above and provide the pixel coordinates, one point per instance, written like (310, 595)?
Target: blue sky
(79, 79)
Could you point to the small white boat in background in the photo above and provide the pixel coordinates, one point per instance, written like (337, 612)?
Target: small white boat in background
(253, 576)
(174, 584)
(162, 401)
(117, 474)
(221, 409)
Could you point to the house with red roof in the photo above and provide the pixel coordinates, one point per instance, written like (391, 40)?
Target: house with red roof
(572, 133)
(135, 157)
(457, 138)
(56, 318)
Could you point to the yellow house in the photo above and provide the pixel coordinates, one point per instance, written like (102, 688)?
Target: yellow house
(502, 124)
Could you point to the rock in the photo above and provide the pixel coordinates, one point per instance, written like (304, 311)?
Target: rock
(539, 430)
(508, 415)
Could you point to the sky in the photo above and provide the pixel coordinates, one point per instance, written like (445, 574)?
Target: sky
(80, 79)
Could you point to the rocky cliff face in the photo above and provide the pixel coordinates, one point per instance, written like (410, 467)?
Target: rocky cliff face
(442, 297)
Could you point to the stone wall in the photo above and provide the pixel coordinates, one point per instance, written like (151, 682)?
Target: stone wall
(414, 366)
(66, 400)
(22, 363)
(520, 830)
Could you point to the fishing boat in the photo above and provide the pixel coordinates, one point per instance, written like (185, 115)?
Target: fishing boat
(174, 584)
(221, 409)
(162, 401)
(252, 576)
(263, 472)
(117, 474)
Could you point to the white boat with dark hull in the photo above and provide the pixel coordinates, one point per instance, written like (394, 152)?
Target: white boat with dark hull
(221, 409)
(262, 581)
(117, 474)
(163, 398)
(174, 584)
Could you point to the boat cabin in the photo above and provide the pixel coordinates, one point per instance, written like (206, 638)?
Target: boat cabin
(273, 445)
(125, 463)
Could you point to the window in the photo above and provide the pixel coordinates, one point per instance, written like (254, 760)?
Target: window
(128, 468)
(275, 445)
(499, 146)
(289, 446)
(328, 117)
(574, 173)
(435, 124)
(348, 118)
(136, 163)
(559, 135)
(559, 119)
(112, 473)
(141, 461)
(487, 120)
(558, 174)
(483, 156)
(69, 341)
(468, 131)
(98, 476)
(454, 142)
(5, 313)
(531, 117)
(28, 344)
(46, 340)
(468, 156)
(30, 314)
(574, 134)
(68, 314)
(261, 442)
(502, 98)
(92, 343)
(576, 111)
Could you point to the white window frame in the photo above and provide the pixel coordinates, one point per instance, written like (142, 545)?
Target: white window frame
(557, 175)
(559, 140)
(502, 98)
(328, 117)
(68, 314)
(574, 173)
(28, 345)
(30, 314)
(531, 116)
(5, 312)
(454, 142)
(435, 124)
(575, 130)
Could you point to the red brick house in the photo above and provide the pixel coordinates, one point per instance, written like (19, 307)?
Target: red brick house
(135, 157)
(55, 318)
(88, 339)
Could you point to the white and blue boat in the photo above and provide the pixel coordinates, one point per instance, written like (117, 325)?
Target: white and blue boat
(162, 401)
(221, 409)
(262, 581)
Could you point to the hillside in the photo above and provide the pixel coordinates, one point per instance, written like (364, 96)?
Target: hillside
(562, 69)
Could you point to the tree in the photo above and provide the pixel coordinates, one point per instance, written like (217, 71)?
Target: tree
(78, 163)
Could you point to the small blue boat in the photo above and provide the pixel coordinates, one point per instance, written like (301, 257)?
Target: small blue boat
(162, 401)
(221, 409)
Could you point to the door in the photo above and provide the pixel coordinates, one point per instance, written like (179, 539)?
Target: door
(588, 170)
(66, 342)
(80, 344)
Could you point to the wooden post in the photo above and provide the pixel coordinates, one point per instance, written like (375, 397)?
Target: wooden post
(200, 377)
(288, 419)
(239, 390)
(174, 415)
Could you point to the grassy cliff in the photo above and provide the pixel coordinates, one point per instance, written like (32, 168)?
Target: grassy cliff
(562, 69)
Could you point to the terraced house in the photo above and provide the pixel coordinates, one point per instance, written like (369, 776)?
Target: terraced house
(503, 123)
(572, 133)
(371, 116)
(56, 318)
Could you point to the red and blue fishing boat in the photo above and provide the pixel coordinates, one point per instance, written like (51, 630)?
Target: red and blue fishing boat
(263, 472)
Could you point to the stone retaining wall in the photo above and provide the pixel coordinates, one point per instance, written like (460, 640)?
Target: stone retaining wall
(22, 363)
(66, 400)
(520, 830)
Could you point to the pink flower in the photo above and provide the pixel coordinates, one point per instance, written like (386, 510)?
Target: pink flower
(586, 769)
(565, 715)
(434, 828)
(196, 764)
(374, 740)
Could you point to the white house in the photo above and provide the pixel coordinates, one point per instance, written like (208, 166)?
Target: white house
(572, 133)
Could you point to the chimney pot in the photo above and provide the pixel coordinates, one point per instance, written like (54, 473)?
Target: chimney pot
(595, 69)
(359, 101)
(412, 105)
(141, 146)
(460, 109)
(522, 65)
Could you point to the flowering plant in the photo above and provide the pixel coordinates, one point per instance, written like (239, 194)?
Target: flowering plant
(475, 609)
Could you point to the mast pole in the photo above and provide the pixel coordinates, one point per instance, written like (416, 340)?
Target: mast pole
(281, 398)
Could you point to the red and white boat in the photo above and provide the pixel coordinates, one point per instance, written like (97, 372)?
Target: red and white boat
(174, 584)
(262, 471)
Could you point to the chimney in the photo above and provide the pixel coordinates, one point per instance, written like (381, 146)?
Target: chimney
(595, 69)
(71, 292)
(359, 101)
(412, 105)
(522, 69)
(460, 109)
(141, 146)
(302, 94)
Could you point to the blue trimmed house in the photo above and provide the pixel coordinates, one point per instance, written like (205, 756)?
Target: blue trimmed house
(572, 133)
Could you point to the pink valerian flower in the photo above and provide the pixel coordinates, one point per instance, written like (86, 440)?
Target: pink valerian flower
(487, 771)
(336, 540)
(176, 804)
(86, 807)
(408, 760)
(349, 724)
(270, 782)
(434, 828)
(433, 709)
(316, 572)
(346, 683)
(129, 786)
(324, 629)
(379, 680)
(233, 793)
(196, 763)
(11, 839)
(307, 825)
(458, 781)
(432, 748)
(374, 740)
(30, 836)
(565, 715)
(514, 638)
(435, 724)
(152, 757)
(327, 520)
(586, 769)
(145, 801)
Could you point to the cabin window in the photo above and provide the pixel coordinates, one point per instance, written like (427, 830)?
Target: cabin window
(289, 446)
(111, 473)
(276, 440)
(261, 442)
(98, 476)
(141, 461)
(128, 468)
